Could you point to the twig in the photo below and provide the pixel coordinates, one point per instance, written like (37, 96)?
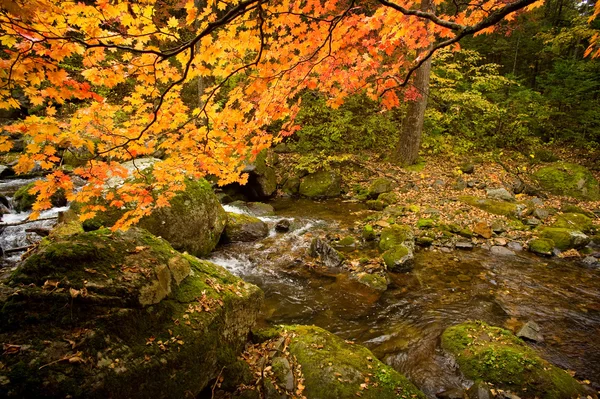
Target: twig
(212, 395)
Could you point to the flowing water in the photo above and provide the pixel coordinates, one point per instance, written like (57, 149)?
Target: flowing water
(403, 325)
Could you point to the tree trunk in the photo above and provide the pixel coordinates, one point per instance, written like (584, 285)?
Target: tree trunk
(407, 149)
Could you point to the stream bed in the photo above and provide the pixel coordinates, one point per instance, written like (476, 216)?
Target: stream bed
(403, 325)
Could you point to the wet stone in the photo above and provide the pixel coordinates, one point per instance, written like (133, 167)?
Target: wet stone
(515, 246)
(502, 251)
(283, 226)
(531, 331)
(465, 245)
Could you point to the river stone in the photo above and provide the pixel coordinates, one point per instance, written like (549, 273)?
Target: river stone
(482, 230)
(333, 368)
(541, 246)
(380, 186)
(103, 314)
(496, 356)
(515, 246)
(6, 171)
(388, 198)
(283, 226)
(531, 331)
(568, 179)
(466, 245)
(541, 213)
(254, 208)
(565, 238)
(396, 235)
(399, 259)
(501, 251)
(322, 184)
(500, 194)
(244, 228)
(480, 390)
(329, 256)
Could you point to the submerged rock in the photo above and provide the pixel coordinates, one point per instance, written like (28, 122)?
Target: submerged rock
(501, 251)
(375, 281)
(244, 228)
(324, 184)
(568, 179)
(494, 355)
(101, 314)
(283, 226)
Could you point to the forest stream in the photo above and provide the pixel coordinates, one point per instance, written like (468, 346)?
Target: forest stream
(403, 325)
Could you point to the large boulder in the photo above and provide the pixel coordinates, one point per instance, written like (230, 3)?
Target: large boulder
(314, 363)
(494, 355)
(262, 179)
(244, 228)
(564, 178)
(321, 185)
(23, 200)
(120, 315)
(193, 222)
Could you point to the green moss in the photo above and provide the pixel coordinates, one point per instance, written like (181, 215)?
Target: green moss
(368, 233)
(333, 368)
(570, 208)
(494, 355)
(261, 335)
(565, 238)
(244, 228)
(398, 258)
(375, 281)
(379, 186)
(375, 205)
(541, 246)
(346, 241)
(508, 209)
(388, 198)
(321, 184)
(425, 223)
(393, 236)
(568, 179)
(574, 221)
(418, 167)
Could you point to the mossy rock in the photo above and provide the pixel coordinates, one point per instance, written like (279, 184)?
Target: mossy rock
(23, 200)
(324, 184)
(389, 198)
(570, 208)
(494, 355)
(254, 208)
(291, 186)
(133, 307)
(541, 246)
(574, 221)
(508, 209)
(569, 179)
(334, 369)
(394, 235)
(565, 238)
(244, 228)
(346, 243)
(380, 186)
(425, 223)
(193, 223)
(375, 205)
(399, 259)
(375, 281)
(263, 178)
(368, 233)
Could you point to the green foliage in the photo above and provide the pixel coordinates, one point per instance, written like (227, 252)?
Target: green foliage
(473, 106)
(357, 125)
(315, 161)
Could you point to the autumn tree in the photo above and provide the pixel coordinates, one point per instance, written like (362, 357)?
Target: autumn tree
(69, 59)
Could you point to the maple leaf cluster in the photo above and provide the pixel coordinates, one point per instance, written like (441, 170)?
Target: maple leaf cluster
(110, 77)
